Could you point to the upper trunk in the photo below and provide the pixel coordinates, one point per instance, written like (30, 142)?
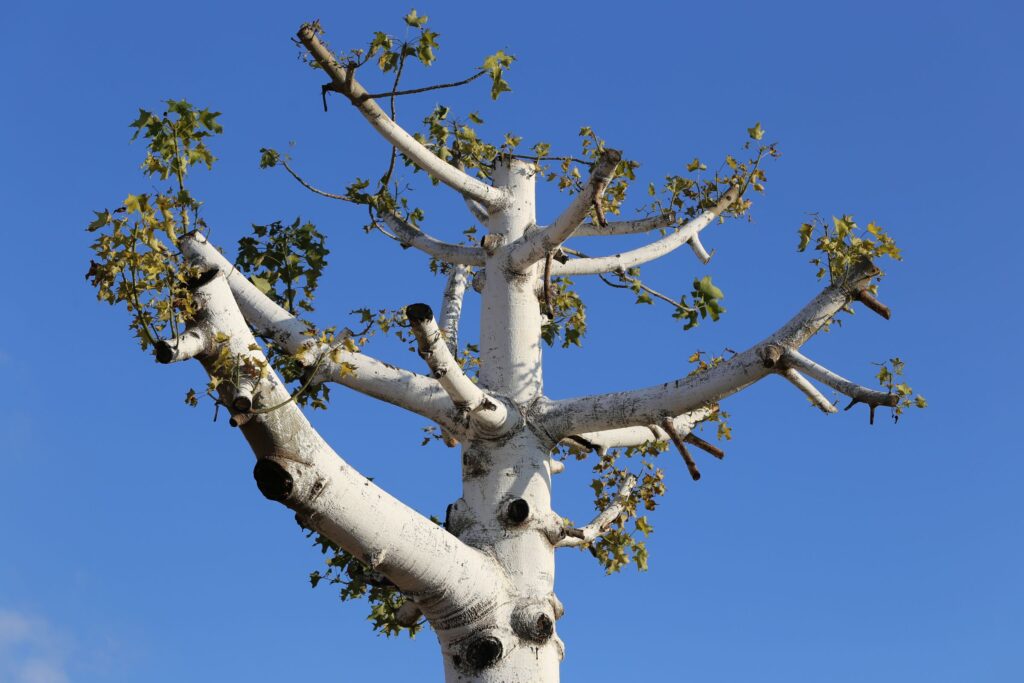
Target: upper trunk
(505, 509)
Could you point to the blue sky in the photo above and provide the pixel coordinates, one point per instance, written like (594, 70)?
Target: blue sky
(135, 546)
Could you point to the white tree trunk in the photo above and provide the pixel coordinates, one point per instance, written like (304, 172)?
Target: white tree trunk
(505, 507)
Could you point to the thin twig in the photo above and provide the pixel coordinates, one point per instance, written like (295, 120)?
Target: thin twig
(416, 91)
(315, 190)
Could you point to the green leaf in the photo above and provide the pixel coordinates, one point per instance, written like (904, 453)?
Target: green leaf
(757, 132)
(261, 283)
(414, 20)
(806, 230)
(708, 289)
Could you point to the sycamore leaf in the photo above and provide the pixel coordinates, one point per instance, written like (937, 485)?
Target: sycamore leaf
(414, 20)
(261, 283)
(708, 289)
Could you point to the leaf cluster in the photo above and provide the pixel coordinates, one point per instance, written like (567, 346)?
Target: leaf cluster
(136, 262)
(842, 244)
(889, 374)
(566, 316)
(176, 140)
(356, 580)
(285, 262)
(620, 544)
(686, 196)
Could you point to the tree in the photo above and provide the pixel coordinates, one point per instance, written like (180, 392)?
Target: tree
(483, 578)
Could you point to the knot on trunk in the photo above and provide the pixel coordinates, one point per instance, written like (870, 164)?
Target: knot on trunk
(481, 653)
(517, 511)
(273, 480)
(533, 621)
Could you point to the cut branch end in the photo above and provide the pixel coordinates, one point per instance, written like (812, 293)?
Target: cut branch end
(869, 300)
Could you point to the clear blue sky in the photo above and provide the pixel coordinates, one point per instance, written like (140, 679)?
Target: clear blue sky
(135, 546)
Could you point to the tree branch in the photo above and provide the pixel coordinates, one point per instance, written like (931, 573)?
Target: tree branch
(794, 360)
(680, 445)
(297, 468)
(195, 341)
(649, 252)
(416, 393)
(474, 405)
(535, 245)
(451, 306)
(559, 419)
(406, 233)
(632, 437)
(589, 533)
(809, 390)
(634, 227)
(344, 82)
(699, 250)
(411, 236)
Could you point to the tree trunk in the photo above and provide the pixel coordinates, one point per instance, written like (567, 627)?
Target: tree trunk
(505, 509)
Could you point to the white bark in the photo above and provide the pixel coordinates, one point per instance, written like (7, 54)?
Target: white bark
(699, 250)
(411, 236)
(627, 437)
(638, 226)
(649, 252)
(793, 359)
(451, 306)
(510, 363)
(809, 390)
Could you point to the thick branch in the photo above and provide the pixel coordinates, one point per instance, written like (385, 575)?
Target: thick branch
(649, 252)
(589, 533)
(536, 245)
(479, 408)
(411, 236)
(451, 306)
(650, 405)
(358, 371)
(344, 82)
